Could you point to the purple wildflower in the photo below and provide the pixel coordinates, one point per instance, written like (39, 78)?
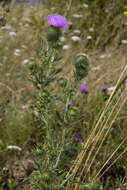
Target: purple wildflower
(77, 138)
(104, 88)
(83, 89)
(69, 104)
(57, 21)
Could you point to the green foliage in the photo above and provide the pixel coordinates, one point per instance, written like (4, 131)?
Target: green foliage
(15, 128)
(53, 34)
(81, 66)
(55, 119)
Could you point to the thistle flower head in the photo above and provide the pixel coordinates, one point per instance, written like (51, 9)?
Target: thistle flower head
(77, 138)
(104, 88)
(83, 89)
(69, 104)
(57, 21)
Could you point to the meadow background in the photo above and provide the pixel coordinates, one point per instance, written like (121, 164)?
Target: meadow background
(49, 157)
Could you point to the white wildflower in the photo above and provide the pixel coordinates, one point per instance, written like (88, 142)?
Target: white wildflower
(27, 20)
(77, 16)
(25, 61)
(124, 41)
(106, 55)
(24, 46)
(12, 33)
(89, 37)
(76, 31)
(26, 25)
(65, 47)
(36, 113)
(102, 56)
(96, 68)
(62, 39)
(7, 27)
(75, 38)
(91, 29)
(69, 22)
(25, 107)
(17, 52)
(111, 88)
(85, 5)
(14, 147)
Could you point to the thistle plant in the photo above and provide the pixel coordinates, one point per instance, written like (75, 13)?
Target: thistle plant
(57, 116)
(56, 22)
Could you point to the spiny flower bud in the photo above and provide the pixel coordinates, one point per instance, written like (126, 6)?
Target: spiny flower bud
(53, 33)
(81, 66)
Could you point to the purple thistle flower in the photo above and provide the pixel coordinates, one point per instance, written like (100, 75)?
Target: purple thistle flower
(83, 89)
(104, 88)
(57, 21)
(77, 138)
(69, 104)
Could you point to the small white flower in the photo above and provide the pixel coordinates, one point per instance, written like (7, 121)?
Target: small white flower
(111, 88)
(17, 52)
(26, 25)
(96, 68)
(85, 5)
(25, 107)
(62, 39)
(89, 37)
(106, 55)
(75, 38)
(65, 47)
(27, 20)
(77, 16)
(14, 147)
(69, 22)
(36, 113)
(124, 41)
(107, 11)
(76, 31)
(91, 29)
(12, 33)
(24, 46)
(125, 23)
(102, 56)
(7, 27)
(25, 61)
